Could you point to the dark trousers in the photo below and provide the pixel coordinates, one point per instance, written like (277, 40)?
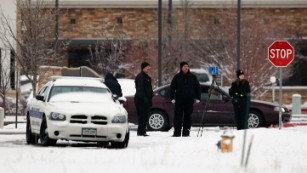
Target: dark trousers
(182, 118)
(241, 111)
(143, 115)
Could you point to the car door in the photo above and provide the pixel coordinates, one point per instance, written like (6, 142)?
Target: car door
(216, 111)
(162, 101)
(222, 105)
(36, 109)
(205, 112)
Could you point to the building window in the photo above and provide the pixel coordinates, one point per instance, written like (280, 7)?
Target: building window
(120, 20)
(72, 21)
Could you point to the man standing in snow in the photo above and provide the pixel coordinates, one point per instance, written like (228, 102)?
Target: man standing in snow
(143, 98)
(240, 92)
(184, 91)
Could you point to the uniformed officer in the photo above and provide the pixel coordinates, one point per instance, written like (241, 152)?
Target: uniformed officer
(240, 91)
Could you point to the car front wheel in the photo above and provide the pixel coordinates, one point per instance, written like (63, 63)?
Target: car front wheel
(123, 144)
(157, 121)
(255, 119)
(44, 137)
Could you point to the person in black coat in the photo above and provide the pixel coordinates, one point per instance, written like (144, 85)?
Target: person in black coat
(111, 82)
(240, 91)
(184, 91)
(143, 98)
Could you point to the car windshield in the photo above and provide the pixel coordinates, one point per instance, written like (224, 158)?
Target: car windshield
(202, 77)
(78, 90)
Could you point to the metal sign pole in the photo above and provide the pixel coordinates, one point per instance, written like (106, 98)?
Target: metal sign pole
(17, 87)
(280, 96)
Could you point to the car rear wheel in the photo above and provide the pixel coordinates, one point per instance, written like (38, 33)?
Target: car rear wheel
(123, 144)
(44, 137)
(157, 121)
(255, 119)
(30, 137)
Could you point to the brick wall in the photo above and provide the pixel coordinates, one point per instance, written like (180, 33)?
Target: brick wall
(142, 23)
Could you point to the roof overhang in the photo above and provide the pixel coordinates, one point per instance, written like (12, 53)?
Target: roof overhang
(177, 3)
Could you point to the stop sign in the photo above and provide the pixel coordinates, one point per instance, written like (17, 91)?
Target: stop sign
(280, 53)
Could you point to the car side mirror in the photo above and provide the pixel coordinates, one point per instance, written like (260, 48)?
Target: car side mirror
(40, 97)
(115, 96)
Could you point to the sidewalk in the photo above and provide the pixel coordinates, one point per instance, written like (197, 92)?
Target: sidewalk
(10, 125)
(11, 119)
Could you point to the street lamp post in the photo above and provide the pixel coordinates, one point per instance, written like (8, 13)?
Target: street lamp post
(273, 81)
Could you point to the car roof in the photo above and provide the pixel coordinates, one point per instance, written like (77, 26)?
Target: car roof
(199, 70)
(224, 90)
(77, 81)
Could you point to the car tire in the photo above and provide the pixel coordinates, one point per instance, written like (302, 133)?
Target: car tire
(30, 137)
(157, 121)
(44, 137)
(255, 119)
(123, 144)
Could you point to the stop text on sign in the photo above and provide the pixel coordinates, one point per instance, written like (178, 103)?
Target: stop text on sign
(280, 53)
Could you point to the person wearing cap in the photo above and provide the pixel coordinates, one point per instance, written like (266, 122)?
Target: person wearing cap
(143, 98)
(240, 92)
(184, 92)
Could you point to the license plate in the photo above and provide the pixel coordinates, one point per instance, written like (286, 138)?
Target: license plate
(89, 131)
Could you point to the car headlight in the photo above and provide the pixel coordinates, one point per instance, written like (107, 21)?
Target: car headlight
(277, 109)
(57, 116)
(119, 119)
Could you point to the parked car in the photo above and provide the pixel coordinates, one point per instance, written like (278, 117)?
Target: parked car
(78, 109)
(219, 111)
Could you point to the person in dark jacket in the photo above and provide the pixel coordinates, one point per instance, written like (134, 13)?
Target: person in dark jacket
(240, 91)
(111, 82)
(143, 98)
(184, 91)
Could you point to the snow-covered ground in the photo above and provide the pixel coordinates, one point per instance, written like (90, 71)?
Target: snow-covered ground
(272, 150)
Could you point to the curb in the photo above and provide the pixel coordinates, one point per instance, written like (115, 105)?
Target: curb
(291, 124)
(294, 124)
(11, 133)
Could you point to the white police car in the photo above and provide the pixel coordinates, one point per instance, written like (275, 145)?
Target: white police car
(78, 109)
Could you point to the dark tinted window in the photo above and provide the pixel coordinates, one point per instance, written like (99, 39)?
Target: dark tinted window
(164, 92)
(215, 94)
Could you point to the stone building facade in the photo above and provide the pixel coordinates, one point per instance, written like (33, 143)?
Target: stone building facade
(85, 21)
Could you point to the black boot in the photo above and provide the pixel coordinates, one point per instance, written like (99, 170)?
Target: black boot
(176, 133)
(186, 133)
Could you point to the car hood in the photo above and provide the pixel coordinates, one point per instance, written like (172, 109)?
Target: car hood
(266, 103)
(70, 108)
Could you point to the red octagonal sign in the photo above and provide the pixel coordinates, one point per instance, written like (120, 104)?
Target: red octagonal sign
(280, 53)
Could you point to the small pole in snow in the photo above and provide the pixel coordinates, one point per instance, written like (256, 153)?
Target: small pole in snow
(249, 150)
(243, 148)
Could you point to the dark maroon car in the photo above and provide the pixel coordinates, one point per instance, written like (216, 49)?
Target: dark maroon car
(219, 110)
